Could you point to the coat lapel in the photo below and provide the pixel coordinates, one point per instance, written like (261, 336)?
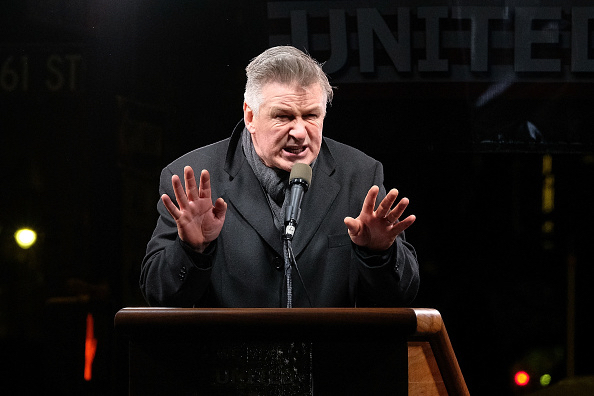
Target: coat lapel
(246, 195)
(317, 200)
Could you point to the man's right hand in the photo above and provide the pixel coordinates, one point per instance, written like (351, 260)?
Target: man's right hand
(198, 221)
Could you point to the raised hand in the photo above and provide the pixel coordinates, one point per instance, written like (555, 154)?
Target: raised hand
(377, 230)
(199, 222)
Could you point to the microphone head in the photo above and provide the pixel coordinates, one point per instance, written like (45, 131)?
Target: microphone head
(300, 173)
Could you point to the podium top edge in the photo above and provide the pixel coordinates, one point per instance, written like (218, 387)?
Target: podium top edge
(412, 319)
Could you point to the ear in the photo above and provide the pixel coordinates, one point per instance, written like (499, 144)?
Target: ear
(248, 117)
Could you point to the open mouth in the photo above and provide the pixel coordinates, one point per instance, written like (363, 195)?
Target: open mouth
(295, 150)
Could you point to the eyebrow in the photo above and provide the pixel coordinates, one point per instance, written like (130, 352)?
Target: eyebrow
(278, 109)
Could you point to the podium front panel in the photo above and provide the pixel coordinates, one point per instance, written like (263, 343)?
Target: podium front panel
(259, 351)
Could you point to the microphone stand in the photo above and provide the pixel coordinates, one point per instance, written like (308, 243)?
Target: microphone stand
(290, 262)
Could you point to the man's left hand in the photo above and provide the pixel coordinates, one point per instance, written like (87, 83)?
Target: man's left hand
(377, 230)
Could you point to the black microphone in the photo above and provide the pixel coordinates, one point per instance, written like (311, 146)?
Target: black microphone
(299, 181)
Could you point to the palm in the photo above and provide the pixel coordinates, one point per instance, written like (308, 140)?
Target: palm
(377, 229)
(199, 222)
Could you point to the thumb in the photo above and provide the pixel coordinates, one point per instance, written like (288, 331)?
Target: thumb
(220, 208)
(353, 225)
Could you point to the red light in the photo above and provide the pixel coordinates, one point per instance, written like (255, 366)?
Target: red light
(90, 347)
(521, 378)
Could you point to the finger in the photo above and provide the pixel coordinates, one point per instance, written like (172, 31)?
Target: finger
(404, 224)
(384, 207)
(170, 206)
(191, 187)
(395, 214)
(204, 191)
(369, 203)
(178, 190)
(220, 208)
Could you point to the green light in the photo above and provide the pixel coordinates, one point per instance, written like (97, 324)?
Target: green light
(25, 237)
(545, 379)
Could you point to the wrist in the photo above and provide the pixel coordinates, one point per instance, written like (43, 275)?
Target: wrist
(198, 248)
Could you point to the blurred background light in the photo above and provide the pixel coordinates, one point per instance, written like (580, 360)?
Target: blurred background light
(545, 379)
(25, 237)
(521, 378)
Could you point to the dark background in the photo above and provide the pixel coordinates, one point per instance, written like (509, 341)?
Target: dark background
(116, 90)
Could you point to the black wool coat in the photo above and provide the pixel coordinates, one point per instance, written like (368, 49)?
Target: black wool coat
(244, 267)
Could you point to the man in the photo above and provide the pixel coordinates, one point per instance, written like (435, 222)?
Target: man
(232, 254)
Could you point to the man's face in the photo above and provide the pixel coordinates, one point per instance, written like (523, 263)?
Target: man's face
(288, 126)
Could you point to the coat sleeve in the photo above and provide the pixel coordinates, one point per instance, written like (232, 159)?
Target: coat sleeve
(390, 278)
(172, 274)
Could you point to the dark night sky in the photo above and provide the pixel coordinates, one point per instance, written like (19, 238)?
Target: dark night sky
(116, 90)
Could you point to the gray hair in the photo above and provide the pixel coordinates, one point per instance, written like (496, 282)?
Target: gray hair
(285, 65)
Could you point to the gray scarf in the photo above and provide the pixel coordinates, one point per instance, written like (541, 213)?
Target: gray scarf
(274, 182)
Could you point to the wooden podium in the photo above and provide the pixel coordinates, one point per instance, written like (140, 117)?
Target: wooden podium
(310, 351)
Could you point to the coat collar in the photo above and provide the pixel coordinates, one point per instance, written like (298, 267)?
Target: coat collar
(246, 195)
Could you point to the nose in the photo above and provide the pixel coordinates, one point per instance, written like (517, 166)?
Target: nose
(298, 129)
